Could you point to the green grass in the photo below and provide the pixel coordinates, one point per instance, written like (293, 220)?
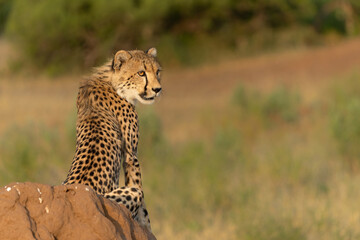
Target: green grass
(268, 171)
(34, 153)
(345, 122)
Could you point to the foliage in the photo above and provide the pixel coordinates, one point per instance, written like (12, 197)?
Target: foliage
(5, 9)
(33, 153)
(280, 105)
(61, 33)
(345, 118)
(346, 128)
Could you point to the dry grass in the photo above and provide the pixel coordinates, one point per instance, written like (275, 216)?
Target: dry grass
(259, 162)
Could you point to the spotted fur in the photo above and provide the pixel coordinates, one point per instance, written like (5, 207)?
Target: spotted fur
(107, 128)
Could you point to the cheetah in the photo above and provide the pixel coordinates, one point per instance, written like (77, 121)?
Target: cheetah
(107, 128)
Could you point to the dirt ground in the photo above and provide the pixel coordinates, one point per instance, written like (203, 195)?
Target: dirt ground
(188, 93)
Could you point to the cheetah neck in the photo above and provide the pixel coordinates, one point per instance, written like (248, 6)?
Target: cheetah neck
(85, 95)
(128, 96)
(104, 73)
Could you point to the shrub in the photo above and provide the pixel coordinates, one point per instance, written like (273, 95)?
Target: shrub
(346, 128)
(34, 153)
(5, 9)
(60, 34)
(344, 116)
(272, 228)
(282, 104)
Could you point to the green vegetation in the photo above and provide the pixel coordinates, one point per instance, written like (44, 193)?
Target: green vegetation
(34, 153)
(63, 34)
(278, 106)
(270, 172)
(345, 120)
(5, 8)
(273, 165)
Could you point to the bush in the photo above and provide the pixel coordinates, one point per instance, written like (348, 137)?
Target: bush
(34, 153)
(5, 9)
(85, 32)
(271, 228)
(60, 34)
(346, 128)
(65, 33)
(345, 115)
(282, 104)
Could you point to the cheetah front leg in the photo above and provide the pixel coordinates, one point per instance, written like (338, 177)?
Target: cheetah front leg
(133, 180)
(133, 199)
(132, 171)
(130, 197)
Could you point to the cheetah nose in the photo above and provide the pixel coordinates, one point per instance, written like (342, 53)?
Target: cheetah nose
(156, 90)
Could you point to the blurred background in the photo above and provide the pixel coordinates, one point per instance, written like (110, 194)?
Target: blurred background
(257, 132)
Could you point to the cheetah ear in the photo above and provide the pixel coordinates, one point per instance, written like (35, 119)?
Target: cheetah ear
(119, 58)
(152, 52)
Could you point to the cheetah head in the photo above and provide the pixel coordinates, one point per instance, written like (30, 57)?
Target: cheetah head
(136, 75)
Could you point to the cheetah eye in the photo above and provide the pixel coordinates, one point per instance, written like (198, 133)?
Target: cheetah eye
(141, 73)
(158, 72)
